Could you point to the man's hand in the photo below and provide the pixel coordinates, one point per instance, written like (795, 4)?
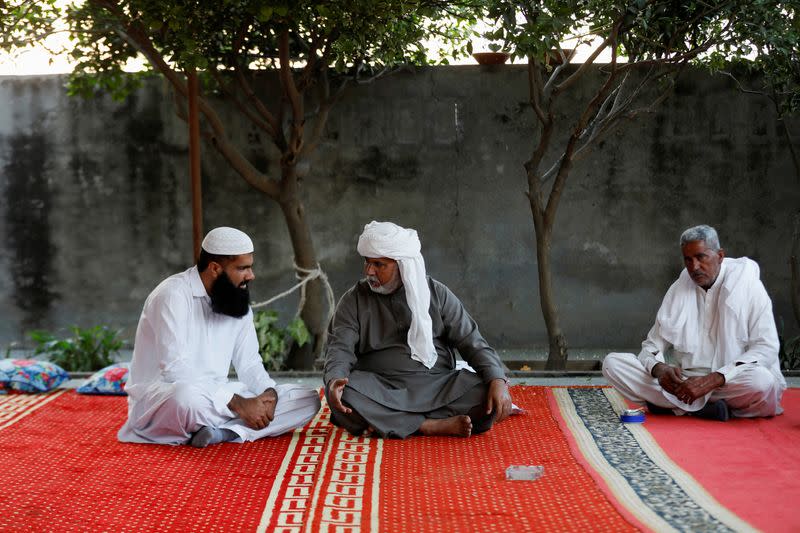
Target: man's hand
(255, 412)
(697, 387)
(335, 390)
(498, 399)
(669, 377)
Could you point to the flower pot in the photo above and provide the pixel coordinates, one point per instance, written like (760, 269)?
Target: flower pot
(491, 58)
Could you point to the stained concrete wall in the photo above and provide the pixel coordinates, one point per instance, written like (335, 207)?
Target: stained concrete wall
(95, 207)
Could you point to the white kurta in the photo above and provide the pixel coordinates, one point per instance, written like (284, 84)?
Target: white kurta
(728, 329)
(178, 379)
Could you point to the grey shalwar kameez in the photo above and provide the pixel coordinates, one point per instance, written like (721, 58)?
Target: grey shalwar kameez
(390, 391)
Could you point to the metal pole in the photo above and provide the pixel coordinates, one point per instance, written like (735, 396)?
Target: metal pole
(194, 163)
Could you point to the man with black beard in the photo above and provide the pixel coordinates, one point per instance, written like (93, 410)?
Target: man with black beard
(194, 325)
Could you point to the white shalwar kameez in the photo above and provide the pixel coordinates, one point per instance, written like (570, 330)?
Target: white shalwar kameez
(178, 380)
(728, 329)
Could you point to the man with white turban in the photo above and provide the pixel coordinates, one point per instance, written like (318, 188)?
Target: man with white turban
(390, 362)
(716, 320)
(193, 326)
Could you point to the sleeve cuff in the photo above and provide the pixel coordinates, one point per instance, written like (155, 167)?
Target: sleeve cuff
(731, 370)
(221, 400)
(334, 374)
(649, 360)
(494, 373)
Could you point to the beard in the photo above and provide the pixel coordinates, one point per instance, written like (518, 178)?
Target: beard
(228, 299)
(386, 288)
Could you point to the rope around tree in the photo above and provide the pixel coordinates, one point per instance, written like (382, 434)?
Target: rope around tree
(306, 275)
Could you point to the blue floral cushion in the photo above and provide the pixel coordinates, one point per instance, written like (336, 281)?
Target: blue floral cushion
(110, 380)
(30, 375)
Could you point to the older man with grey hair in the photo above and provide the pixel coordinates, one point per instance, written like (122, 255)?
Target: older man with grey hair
(391, 357)
(716, 320)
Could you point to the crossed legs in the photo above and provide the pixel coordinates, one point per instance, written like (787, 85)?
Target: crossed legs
(464, 417)
(754, 392)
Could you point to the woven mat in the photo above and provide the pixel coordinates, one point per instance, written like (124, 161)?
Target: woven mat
(64, 471)
(648, 487)
(750, 465)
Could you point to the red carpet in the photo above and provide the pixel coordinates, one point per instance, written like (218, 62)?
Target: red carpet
(446, 484)
(63, 470)
(752, 466)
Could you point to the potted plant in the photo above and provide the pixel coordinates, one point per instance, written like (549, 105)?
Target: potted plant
(495, 56)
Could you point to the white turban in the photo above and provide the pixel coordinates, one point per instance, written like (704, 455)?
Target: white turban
(227, 241)
(384, 239)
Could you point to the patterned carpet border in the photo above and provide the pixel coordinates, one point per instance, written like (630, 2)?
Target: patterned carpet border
(328, 481)
(15, 407)
(640, 476)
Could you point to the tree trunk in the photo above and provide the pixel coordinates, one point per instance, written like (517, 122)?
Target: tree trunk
(557, 356)
(313, 314)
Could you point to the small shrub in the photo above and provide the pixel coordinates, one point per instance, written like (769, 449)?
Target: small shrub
(86, 351)
(274, 341)
(790, 354)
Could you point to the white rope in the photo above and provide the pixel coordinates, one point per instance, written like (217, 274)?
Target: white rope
(305, 275)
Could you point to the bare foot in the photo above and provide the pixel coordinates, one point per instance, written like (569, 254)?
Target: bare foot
(455, 426)
(369, 432)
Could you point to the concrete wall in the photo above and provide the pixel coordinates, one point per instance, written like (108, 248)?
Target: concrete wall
(95, 209)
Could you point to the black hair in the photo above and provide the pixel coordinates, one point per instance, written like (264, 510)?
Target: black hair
(206, 258)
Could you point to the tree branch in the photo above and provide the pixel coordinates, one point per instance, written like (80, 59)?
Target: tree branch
(295, 101)
(535, 89)
(243, 167)
(570, 81)
(323, 112)
(255, 119)
(261, 109)
(566, 159)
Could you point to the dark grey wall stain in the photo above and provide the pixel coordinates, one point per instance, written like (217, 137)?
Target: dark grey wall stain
(28, 229)
(151, 181)
(378, 169)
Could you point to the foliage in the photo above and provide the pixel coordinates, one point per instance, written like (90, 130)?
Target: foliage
(274, 341)
(768, 50)
(241, 36)
(24, 22)
(789, 354)
(87, 350)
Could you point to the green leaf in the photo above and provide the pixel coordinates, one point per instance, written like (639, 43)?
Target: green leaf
(85, 351)
(265, 14)
(298, 330)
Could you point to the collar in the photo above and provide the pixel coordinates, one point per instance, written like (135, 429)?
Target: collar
(198, 289)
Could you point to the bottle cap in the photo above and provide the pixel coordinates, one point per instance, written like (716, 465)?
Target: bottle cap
(632, 416)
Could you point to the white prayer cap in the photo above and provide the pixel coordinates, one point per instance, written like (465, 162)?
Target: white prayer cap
(386, 239)
(227, 241)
